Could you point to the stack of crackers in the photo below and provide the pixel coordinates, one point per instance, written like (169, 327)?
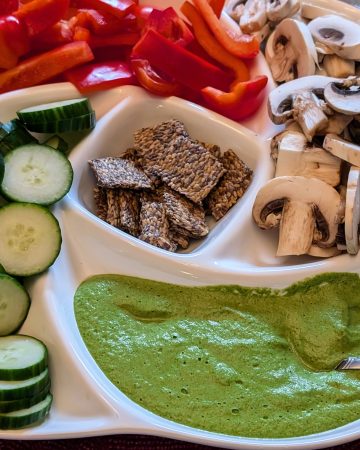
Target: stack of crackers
(162, 188)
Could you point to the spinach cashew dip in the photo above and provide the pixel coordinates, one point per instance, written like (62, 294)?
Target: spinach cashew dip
(250, 362)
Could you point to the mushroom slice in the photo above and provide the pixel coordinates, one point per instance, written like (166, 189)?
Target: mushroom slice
(296, 158)
(299, 206)
(340, 34)
(343, 149)
(277, 10)
(337, 123)
(344, 96)
(291, 52)
(309, 114)
(235, 9)
(319, 252)
(280, 100)
(253, 17)
(352, 211)
(337, 67)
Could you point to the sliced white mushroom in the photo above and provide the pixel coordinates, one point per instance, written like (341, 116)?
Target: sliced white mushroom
(280, 100)
(290, 51)
(346, 150)
(344, 95)
(338, 67)
(352, 211)
(309, 114)
(306, 209)
(340, 34)
(253, 17)
(337, 123)
(235, 8)
(319, 252)
(295, 157)
(277, 10)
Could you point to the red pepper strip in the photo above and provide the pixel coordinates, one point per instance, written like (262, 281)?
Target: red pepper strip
(117, 40)
(100, 76)
(43, 67)
(59, 34)
(97, 22)
(81, 34)
(209, 43)
(178, 63)
(217, 6)
(118, 8)
(241, 45)
(39, 15)
(8, 6)
(142, 13)
(169, 24)
(152, 81)
(240, 102)
(14, 41)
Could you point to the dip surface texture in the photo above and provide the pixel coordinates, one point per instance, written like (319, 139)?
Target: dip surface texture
(229, 359)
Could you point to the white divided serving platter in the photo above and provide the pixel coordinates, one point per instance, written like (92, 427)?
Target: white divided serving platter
(86, 403)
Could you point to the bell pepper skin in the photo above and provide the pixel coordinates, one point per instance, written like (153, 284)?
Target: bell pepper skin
(118, 8)
(99, 23)
(45, 66)
(217, 6)
(59, 34)
(8, 7)
(99, 76)
(117, 40)
(152, 81)
(241, 45)
(210, 44)
(242, 101)
(14, 41)
(39, 15)
(168, 23)
(178, 63)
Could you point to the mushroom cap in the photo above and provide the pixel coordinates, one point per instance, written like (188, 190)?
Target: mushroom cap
(298, 49)
(343, 99)
(280, 98)
(339, 34)
(324, 198)
(352, 211)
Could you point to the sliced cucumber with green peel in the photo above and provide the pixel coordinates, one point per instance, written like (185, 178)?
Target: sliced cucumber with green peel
(36, 174)
(24, 417)
(14, 390)
(13, 134)
(76, 123)
(52, 112)
(30, 238)
(14, 307)
(22, 403)
(21, 357)
(58, 143)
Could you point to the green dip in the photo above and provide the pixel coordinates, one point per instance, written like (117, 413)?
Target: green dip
(229, 359)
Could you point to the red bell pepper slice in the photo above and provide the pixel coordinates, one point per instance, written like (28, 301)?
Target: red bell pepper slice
(241, 45)
(243, 100)
(118, 8)
(210, 44)
(59, 34)
(8, 7)
(117, 40)
(39, 15)
(178, 63)
(152, 81)
(98, 76)
(81, 34)
(217, 6)
(169, 24)
(142, 13)
(99, 23)
(45, 66)
(14, 41)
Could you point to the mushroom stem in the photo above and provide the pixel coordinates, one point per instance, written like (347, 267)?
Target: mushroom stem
(309, 114)
(296, 228)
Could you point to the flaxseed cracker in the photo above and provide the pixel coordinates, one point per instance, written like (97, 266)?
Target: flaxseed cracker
(231, 187)
(100, 201)
(118, 172)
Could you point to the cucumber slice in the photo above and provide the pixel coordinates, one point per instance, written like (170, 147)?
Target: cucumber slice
(13, 134)
(58, 143)
(30, 238)
(36, 174)
(76, 123)
(25, 417)
(26, 402)
(52, 112)
(14, 307)
(21, 357)
(15, 390)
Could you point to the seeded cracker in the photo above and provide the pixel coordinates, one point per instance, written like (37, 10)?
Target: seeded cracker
(231, 187)
(154, 226)
(114, 173)
(184, 213)
(179, 239)
(100, 202)
(213, 149)
(123, 210)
